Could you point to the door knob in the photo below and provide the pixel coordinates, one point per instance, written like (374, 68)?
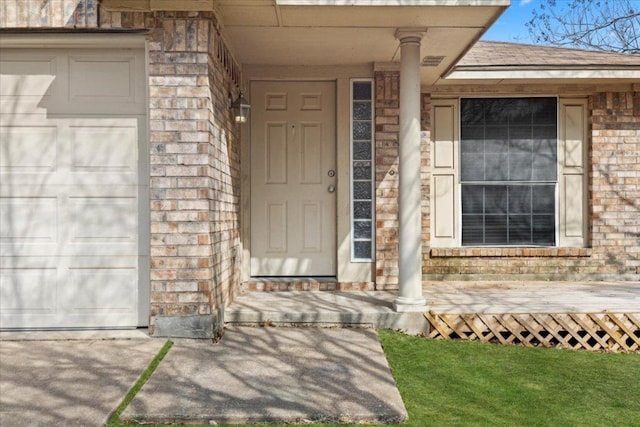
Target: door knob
(331, 188)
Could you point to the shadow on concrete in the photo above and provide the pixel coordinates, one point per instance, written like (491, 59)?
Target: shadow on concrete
(68, 383)
(272, 375)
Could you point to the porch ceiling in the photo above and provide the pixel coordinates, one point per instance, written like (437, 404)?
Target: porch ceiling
(350, 32)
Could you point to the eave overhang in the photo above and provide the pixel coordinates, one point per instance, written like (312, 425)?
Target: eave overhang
(339, 32)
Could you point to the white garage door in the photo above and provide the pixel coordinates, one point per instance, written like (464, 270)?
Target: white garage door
(71, 130)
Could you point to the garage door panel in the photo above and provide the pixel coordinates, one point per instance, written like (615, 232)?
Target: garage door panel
(100, 289)
(50, 292)
(28, 220)
(103, 220)
(107, 148)
(31, 148)
(73, 81)
(28, 290)
(24, 76)
(102, 79)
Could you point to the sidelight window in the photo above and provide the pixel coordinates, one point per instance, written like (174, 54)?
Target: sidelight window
(362, 170)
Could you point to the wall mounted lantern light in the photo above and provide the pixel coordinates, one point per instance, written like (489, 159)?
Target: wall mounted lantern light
(240, 108)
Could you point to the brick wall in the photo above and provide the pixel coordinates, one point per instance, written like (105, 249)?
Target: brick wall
(194, 156)
(386, 152)
(195, 164)
(614, 205)
(49, 13)
(614, 181)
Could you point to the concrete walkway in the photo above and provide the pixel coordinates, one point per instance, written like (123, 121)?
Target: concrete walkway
(272, 375)
(251, 375)
(68, 383)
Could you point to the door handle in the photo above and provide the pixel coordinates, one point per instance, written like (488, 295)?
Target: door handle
(331, 188)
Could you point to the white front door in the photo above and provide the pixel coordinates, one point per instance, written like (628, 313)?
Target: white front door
(72, 123)
(293, 179)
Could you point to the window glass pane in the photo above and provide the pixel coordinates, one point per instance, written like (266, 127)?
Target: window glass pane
(496, 146)
(543, 199)
(544, 230)
(496, 111)
(362, 190)
(495, 199)
(362, 210)
(472, 199)
(361, 90)
(362, 250)
(496, 133)
(545, 132)
(519, 229)
(520, 167)
(544, 163)
(362, 170)
(362, 111)
(520, 111)
(472, 112)
(513, 140)
(362, 150)
(520, 132)
(472, 167)
(362, 229)
(495, 229)
(362, 130)
(472, 229)
(545, 111)
(496, 167)
(472, 139)
(520, 199)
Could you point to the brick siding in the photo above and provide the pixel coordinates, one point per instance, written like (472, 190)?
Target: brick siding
(386, 152)
(194, 151)
(614, 181)
(614, 209)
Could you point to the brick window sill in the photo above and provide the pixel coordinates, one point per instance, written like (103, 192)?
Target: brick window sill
(509, 252)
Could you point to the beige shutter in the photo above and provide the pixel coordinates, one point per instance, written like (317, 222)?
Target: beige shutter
(444, 173)
(572, 159)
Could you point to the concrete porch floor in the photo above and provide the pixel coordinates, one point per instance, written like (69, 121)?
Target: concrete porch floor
(375, 308)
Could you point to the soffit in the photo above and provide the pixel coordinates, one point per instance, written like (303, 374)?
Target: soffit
(264, 32)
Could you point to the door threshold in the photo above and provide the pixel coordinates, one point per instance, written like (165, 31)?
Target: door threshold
(306, 283)
(310, 279)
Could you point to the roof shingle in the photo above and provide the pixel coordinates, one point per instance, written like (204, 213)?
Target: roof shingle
(503, 54)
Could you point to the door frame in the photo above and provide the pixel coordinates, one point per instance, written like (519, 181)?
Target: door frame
(346, 271)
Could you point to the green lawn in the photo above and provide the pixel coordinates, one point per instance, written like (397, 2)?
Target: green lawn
(453, 383)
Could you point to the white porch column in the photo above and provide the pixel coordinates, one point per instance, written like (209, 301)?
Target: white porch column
(409, 221)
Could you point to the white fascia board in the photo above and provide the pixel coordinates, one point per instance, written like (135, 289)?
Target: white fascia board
(393, 2)
(544, 74)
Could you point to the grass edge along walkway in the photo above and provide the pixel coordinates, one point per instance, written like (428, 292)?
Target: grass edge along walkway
(463, 383)
(114, 418)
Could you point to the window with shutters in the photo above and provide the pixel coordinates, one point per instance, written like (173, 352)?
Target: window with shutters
(508, 171)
